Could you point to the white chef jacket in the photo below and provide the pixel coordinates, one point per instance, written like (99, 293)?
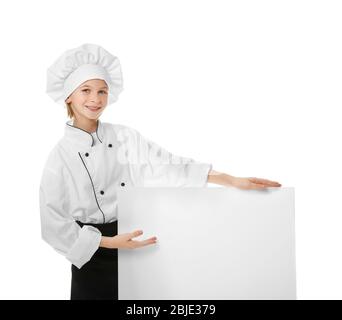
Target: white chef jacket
(83, 173)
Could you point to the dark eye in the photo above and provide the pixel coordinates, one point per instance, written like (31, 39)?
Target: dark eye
(104, 92)
(85, 90)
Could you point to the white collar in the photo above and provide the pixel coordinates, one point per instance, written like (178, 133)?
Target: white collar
(80, 136)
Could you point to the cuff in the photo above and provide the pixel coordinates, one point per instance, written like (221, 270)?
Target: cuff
(198, 173)
(86, 245)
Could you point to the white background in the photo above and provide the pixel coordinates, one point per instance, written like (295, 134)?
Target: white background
(253, 87)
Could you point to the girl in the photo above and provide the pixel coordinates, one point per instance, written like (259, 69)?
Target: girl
(84, 170)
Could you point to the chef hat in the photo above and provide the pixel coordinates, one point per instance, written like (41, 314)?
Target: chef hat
(75, 66)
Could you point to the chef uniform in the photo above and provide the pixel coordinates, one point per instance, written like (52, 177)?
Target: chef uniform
(84, 171)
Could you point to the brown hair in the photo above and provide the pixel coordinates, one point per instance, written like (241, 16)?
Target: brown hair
(69, 110)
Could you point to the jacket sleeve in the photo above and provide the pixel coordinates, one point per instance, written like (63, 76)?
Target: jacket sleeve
(151, 165)
(58, 228)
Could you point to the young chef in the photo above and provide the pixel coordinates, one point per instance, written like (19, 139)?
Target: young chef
(92, 161)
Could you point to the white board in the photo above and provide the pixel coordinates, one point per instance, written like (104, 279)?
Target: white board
(213, 243)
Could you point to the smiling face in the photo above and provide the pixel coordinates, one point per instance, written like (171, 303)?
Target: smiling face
(89, 100)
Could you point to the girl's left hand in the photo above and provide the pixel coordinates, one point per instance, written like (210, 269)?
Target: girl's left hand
(253, 183)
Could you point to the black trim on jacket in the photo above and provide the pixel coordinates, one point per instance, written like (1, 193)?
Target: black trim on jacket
(92, 138)
(104, 220)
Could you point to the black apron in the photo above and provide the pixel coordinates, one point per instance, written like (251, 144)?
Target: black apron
(98, 278)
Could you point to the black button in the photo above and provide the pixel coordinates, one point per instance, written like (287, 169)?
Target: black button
(122, 184)
(110, 145)
(101, 192)
(87, 154)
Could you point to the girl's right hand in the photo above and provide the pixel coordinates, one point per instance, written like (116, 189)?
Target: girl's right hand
(125, 241)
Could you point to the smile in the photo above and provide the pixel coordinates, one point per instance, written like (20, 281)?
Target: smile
(93, 109)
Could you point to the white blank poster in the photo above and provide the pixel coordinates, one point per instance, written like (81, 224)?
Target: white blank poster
(213, 243)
